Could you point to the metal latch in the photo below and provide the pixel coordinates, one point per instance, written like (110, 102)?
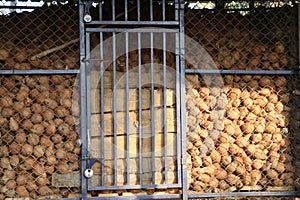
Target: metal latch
(88, 172)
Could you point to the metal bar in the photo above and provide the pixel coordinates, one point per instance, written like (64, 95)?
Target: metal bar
(40, 71)
(163, 10)
(165, 108)
(249, 194)
(114, 107)
(88, 99)
(176, 10)
(141, 30)
(152, 108)
(88, 81)
(68, 198)
(126, 10)
(82, 99)
(127, 110)
(102, 106)
(165, 23)
(183, 102)
(178, 110)
(88, 95)
(21, 7)
(167, 196)
(151, 10)
(139, 10)
(140, 110)
(100, 10)
(241, 72)
(200, 195)
(121, 187)
(211, 9)
(113, 10)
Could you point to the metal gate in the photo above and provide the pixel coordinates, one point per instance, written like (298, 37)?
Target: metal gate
(132, 97)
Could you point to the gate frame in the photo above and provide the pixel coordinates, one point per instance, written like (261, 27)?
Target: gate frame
(185, 194)
(180, 85)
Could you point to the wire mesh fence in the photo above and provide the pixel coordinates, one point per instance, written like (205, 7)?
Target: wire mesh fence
(45, 38)
(39, 116)
(39, 113)
(258, 38)
(239, 137)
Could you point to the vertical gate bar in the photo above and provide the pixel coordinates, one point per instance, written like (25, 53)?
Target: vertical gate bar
(165, 108)
(140, 109)
(183, 106)
(100, 10)
(88, 83)
(82, 98)
(113, 10)
(88, 99)
(176, 2)
(102, 106)
(126, 10)
(163, 10)
(127, 110)
(178, 114)
(114, 107)
(151, 10)
(138, 10)
(152, 108)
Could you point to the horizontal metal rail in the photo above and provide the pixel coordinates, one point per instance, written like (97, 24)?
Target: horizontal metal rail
(131, 30)
(21, 7)
(122, 187)
(143, 23)
(67, 199)
(203, 195)
(38, 72)
(240, 72)
(167, 196)
(249, 194)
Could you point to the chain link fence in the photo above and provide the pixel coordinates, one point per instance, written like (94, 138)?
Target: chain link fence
(239, 137)
(45, 38)
(39, 113)
(39, 116)
(242, 130)
(263, 37)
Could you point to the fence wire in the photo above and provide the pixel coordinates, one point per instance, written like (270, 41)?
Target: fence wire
(239, 138)
(45, 38)
(39, 116)
(242, 130)
(261, 38)
(39, 113)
